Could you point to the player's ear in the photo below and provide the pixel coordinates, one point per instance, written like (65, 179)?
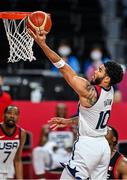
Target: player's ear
(107, 79)
(114, 140)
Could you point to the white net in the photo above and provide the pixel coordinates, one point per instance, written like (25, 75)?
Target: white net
(20, 41)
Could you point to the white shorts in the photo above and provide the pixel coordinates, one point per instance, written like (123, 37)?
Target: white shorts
(3, 176)
(90, 158)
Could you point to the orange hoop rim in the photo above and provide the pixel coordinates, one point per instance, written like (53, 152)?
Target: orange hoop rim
(13, 15)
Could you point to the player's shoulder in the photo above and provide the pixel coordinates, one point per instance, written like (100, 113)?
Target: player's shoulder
(122, 166)
(20, 128)
(124, 161)
(22, 131)
(98, 89)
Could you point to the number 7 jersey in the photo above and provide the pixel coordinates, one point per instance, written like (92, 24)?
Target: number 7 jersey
(93, 121)
(8, 148)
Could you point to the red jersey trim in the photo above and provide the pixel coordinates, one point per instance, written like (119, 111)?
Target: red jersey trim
(98, 89)
(15, 135)
(114, 170)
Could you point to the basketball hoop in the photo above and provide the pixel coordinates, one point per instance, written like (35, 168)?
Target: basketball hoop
(20, 41)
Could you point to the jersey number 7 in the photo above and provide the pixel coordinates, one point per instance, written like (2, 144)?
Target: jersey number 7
(8, 154)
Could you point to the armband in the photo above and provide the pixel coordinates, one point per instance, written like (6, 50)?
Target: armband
(59, 64)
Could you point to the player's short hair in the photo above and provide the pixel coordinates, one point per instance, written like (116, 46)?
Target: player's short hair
(13, 106)
(114, 71)
(115, 134)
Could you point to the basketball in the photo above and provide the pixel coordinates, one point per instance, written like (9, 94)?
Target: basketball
(39, 20)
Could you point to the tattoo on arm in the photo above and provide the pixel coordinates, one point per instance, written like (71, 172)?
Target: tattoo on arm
(75, 120)
(92, 95)
(91, 101)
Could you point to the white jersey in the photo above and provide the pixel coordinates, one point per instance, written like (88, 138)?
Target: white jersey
(93, 120)
(8, 148)
(61, 138)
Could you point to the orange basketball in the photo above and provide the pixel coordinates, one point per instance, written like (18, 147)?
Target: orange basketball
(39, 20)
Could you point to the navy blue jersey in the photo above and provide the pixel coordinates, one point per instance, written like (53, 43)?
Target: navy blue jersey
(113, 166)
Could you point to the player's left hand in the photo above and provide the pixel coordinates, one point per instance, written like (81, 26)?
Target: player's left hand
(57, 122)
(39, 36)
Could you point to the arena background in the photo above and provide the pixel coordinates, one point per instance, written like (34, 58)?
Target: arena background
(83, 23)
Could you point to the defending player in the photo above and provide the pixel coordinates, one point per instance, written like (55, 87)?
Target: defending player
(118, 163)
(91, 152)
(12, 139)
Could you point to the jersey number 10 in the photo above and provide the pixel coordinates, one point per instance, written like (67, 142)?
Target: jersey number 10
(103, 119)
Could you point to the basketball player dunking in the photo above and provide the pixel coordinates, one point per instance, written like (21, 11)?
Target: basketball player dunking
(91, 151)
(12, 139)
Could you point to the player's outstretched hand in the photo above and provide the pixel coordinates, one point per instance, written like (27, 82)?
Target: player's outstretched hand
(57, 122)
(39, 36)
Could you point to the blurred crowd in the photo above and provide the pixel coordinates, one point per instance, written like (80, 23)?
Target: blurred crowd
(96, 57)
(86, 69)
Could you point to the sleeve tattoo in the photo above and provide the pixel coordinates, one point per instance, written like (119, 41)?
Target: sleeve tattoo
(92, 94)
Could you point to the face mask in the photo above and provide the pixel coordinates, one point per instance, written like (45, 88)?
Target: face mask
(64, 50)
(96, 55)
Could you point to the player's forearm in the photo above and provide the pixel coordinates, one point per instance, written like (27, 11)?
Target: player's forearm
(54, 58)
(73, 121)
(51, 55)
(68, 73)
(18, 169)
(77, 83)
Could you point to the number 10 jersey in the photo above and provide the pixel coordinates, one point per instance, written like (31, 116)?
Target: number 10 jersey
(93, 121)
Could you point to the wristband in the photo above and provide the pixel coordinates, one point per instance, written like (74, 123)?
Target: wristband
(59, 64)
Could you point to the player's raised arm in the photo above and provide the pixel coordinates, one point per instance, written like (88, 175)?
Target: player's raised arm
(80, 85)
(92, 121)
